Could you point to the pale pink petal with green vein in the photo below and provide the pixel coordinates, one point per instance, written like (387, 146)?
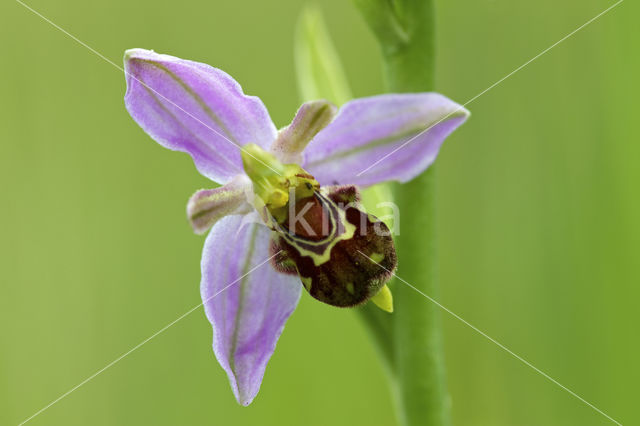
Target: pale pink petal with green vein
(246, 300)
(207, 206)
(195, 108)
(311, 117)
(367, 130)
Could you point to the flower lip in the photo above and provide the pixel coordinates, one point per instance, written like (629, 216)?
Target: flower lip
(331, 268)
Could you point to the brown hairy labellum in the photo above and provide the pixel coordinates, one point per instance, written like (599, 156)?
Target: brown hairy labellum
(342, 255)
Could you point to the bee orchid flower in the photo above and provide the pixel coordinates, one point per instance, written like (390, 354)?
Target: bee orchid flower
(301, 182)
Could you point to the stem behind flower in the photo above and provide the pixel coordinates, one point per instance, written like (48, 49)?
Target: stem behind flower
(409, 340)
(418, 361)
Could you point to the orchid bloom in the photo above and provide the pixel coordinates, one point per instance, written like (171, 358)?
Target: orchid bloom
(309, 170)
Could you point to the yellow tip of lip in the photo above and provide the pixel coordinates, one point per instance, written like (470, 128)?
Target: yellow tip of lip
(384, 299)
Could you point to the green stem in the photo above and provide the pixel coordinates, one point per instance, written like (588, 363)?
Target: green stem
(422, 397)
(380, 329)
(420, 371)
(418, 361)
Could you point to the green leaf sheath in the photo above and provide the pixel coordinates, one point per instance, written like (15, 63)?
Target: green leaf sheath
(318, 69)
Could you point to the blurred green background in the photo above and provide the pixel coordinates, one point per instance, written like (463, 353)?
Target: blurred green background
(538, 208)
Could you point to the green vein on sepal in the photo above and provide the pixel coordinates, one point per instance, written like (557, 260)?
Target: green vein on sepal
(162, 106)
(243, 289)
(212, 115)
(415, 131)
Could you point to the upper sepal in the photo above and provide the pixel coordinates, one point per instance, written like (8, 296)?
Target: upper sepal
(195, 108)
(382, 138)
